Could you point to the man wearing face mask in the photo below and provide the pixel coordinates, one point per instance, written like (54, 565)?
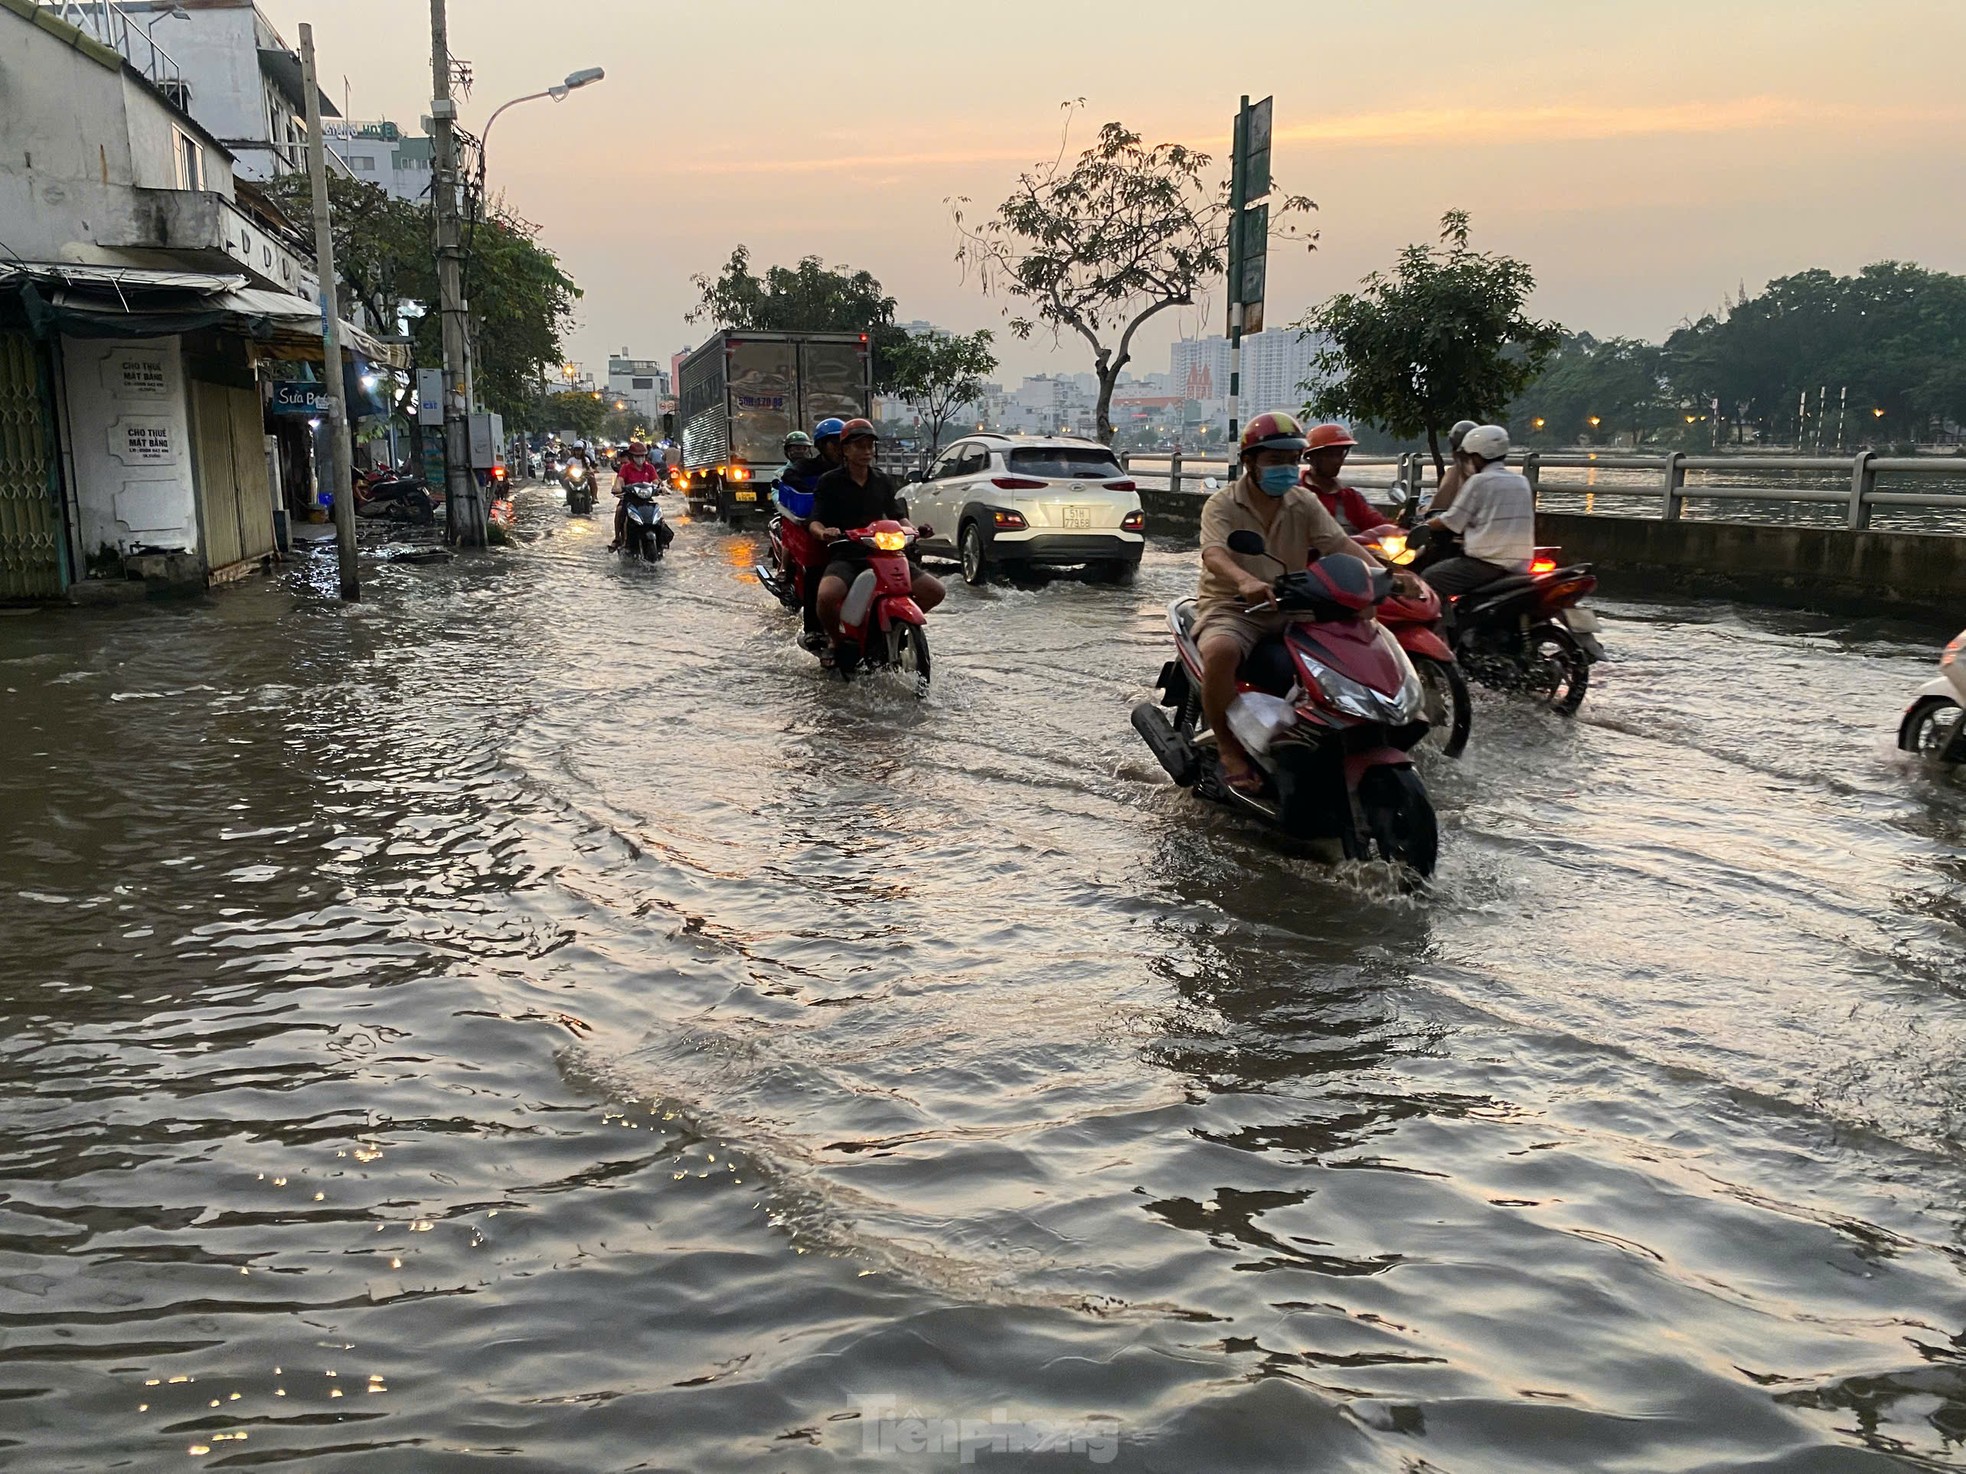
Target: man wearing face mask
(1267, 500)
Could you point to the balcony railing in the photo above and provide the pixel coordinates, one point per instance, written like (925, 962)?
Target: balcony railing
(112, 25)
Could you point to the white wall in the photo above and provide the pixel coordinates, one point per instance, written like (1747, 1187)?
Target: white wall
(128, 438)
(76, 138)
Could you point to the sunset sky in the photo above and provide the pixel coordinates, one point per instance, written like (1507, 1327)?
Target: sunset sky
(1646, 159)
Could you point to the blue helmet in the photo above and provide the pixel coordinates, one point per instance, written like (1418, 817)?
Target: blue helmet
(828, 430)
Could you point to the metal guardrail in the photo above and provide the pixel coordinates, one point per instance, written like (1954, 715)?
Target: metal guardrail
(1669, 492)
(112, 25)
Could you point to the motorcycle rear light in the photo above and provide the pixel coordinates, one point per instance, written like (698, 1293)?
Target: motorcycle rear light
(1009, 521)
(1542, 565)
(1016, 483)
(1133, 522)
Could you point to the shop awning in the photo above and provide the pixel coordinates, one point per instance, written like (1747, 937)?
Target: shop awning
(133, 302)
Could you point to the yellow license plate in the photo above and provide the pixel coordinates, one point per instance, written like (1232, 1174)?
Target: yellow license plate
(746, 496)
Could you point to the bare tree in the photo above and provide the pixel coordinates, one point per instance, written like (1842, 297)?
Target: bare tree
(1100, 244)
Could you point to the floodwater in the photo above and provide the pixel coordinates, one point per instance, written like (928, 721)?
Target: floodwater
(532, 1021)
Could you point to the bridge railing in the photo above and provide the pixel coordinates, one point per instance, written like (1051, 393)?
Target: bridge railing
(1657, 485)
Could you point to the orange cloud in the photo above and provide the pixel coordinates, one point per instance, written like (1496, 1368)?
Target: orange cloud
(1587, 121)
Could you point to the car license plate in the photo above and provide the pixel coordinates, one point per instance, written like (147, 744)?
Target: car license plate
(746, 496)
(1078, 517)
(1581, 621)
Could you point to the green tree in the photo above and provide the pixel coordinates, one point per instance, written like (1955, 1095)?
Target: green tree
(811, 297)
(1893, 335)
(936, 375)
(1622, 383)
(582, 412)
(1103, 243)
(521, 300)
(1444, 337)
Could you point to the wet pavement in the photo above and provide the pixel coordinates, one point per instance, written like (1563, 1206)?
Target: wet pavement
(533, 1020)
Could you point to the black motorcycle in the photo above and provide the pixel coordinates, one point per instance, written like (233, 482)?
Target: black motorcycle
(578, 483)
(644, 534)
(398, 499)
(1526, 633)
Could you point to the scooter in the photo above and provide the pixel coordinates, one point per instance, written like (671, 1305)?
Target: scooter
(578, 483)
(881, 625)
(1934, 725)
(1329, 714)
(1526, 632)
(643, 528)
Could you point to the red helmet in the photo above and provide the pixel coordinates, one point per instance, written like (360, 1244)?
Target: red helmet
(1273, 431)
(1324, 437)
(858, 430)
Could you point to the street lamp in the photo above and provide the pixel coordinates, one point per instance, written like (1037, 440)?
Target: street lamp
(585, 77)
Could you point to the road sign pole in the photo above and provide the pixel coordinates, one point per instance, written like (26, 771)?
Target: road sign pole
(1236, 186)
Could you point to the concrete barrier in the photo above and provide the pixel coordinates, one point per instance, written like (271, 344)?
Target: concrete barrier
(1832, 568)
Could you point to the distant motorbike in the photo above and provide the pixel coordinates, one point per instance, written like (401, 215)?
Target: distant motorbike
(578, 483)
(1329, 713)
(1934, 725)
(1526, 633)
(643, 532)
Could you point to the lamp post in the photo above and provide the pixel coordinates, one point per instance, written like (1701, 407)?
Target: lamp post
(585, 77)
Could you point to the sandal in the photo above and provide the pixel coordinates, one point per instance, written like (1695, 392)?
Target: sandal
(1248, 782)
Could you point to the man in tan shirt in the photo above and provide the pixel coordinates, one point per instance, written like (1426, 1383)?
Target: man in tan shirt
(1267, 500)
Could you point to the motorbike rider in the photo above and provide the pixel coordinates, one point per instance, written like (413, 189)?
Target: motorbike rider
(1268, 500)
(1494, 515)
(637, 468)
(1325, 451)
(852, 496)
(804, 464)
(802, 468)
(1452, 478)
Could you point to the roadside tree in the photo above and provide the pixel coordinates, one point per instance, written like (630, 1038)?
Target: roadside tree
(521, 301)
(935, 376)
(1100, 244)
(811, 297)
(1444, 337)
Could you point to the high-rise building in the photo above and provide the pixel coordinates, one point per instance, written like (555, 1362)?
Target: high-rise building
(1274, 367)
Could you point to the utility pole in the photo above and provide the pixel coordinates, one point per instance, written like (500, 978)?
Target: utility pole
(466, 514)
(331, 369)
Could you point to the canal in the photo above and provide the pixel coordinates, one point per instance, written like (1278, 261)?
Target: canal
(532, 1020)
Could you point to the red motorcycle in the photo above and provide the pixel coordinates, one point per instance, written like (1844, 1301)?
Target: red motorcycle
(1417, 621)
(881, 625)
(1328, 713)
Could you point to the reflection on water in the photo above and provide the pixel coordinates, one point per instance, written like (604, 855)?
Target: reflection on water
(535, 1014)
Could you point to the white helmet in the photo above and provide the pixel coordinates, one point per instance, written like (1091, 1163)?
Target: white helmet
(1486, 442)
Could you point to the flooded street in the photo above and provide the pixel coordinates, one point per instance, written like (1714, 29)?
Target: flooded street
(532, 1020)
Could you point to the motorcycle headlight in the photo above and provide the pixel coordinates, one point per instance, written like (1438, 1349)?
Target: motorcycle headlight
(1357, 699)
(890, 542)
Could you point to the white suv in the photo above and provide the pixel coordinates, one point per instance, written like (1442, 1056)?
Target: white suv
(1025, 501)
